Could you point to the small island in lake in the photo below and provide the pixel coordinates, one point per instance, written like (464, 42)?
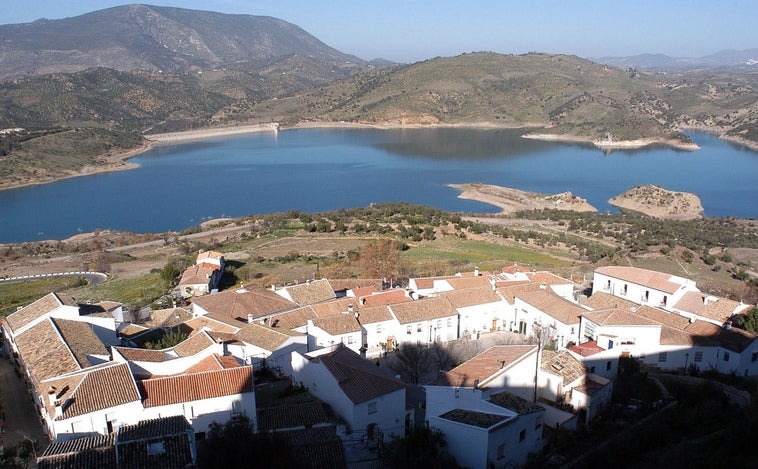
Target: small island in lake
(657, 202)
(514, 200)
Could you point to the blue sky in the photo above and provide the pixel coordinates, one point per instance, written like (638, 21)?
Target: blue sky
(408, 30)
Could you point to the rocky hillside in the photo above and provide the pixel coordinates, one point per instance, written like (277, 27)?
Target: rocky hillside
(150, 38)
(658, 202)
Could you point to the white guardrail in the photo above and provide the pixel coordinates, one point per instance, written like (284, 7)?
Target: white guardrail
(57, 274)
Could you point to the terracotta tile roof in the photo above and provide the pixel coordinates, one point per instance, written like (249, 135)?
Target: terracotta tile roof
(475, 418)
(387, 297)
(469, 282)
(168, 317)
(517, 404)
(198, 274)
(131, 330)
(373, 314)
(335, 307)
(586, 349)
(94, 452)
(201, 323)
(291, 415)
(336, 325)
(265, 337)
(423, 310)
(649, 278)
(81, 340)
(493, 361)
(37, 309)
(318, 447)
(472, 296)
(364, 291)
(547, 278)
(44, 352)
(213, 362)
(208, 255)
(133, 440)
(193, 345)
(238, 304)
(516, 268)
(553, 305)
(510, 290)
(355, 283)
(311, 292)
(143, 354)
(197, 386)
(359, 379)
(293, 319)
(92, 389)
(563, 364)
(722, 309)
(618, 317)
(602, 300)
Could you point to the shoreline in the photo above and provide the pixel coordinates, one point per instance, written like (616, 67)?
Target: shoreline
(119, 160)
(613, 144)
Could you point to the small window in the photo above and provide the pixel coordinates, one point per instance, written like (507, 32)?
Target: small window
(698, 357)
(522, 435)
(726, 356)
(408, 330)
(501, 451)
(350, 339)
(624, 289)
(418, 327)
(754, 357)
(378, 328)
(449, 322)
(662, 357)
(439, 323)
(372, 407)
(156, 448)
(608, 366)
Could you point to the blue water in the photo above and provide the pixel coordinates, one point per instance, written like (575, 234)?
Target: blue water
(178, 186)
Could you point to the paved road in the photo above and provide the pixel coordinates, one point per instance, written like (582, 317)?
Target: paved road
(93, 277)
(21, 419)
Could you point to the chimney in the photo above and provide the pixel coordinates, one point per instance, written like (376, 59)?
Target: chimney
(273, 287)
(728, 326)
(249, 318)
(543, 286)
(476, 271)
(705, 299)
(350, 308)
(52, 395)
(58, 410)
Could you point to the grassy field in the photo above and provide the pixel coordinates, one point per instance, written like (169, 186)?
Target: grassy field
(16, 294)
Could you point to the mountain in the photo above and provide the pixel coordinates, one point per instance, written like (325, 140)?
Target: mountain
(725, 60)
(150, 38)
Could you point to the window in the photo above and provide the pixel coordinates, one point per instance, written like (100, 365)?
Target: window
(156, 448)
(350, 339)
(608, 365)
(726, 356)
(449, 322)
(624, 289)
(754, 357)
(418, 327)
(439, 323)
(698, 357)
(646, 297)
(522, 435)
(408, 330)
(378, 328)
(662, 357)
(372, 407)
(501, 451)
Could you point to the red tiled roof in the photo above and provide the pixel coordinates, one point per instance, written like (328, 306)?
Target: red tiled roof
(37, 309)
(649, 278)
(336, 325)
(423, 310)
(553, 305)
(602, 300)
(96, 388)
(196, 386)
(213, 362)
(586, 349)
(311, 292)
(485, 365)
(359, 379)
(198, 274)
(237, 305)
(200, 323)
(472, 296)
(265, 337)
(387, 297)
(43, 352)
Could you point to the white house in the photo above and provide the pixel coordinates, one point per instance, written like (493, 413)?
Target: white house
(425, 321)
(263, 346)
(199, 279)
(169, 361)
(96, 400)
(642, 286)
(552, 317)
(340, 329)
(308, 293)
(368, 398)
(480, 309)
(499, 431)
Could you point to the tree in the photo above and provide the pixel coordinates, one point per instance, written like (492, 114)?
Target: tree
(169, 339)
(379, 259)
(235, 444)
(749, 321)
(413, 361)
(421, 448)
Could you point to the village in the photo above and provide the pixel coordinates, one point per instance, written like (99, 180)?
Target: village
(105, 397)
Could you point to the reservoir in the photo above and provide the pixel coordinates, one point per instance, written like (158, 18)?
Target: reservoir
(180, 185)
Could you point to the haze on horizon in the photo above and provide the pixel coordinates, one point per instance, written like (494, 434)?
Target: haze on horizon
(412, 31)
